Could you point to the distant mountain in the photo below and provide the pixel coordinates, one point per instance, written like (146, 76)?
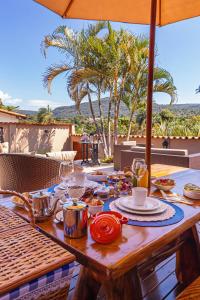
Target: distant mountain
(27, 112)
(64, 112)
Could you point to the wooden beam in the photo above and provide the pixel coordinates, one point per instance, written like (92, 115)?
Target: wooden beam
(150, 86)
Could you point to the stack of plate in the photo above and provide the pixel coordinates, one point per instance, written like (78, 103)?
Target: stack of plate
(151, 207)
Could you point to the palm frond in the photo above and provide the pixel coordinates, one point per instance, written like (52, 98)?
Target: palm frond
(52, 72)
(94, 29)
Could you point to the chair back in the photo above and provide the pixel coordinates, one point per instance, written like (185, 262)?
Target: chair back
(26, 173)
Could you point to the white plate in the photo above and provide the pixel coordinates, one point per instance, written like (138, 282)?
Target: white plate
(192, 194)
(160, 210)
(95, 177)
(92, 184)
(150, 204)
(61, 187)
(59, 216)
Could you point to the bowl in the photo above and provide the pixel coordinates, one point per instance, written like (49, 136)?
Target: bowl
(191, 194)
(158, 184)
(94, 209)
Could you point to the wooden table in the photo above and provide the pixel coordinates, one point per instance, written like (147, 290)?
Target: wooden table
(114, 267)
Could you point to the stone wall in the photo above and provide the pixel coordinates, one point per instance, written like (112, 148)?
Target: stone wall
(24, 138)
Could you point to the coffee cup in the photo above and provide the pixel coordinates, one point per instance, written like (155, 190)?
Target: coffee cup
(140, 195)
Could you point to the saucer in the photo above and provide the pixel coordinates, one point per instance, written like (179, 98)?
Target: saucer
(59, 216)
(149, 205)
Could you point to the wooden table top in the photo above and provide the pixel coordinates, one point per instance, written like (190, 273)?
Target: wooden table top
(134, 244)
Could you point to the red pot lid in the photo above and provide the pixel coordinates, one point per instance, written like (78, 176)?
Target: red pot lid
(105, 228)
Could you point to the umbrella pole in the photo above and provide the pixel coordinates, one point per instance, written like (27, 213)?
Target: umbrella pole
(150, 87)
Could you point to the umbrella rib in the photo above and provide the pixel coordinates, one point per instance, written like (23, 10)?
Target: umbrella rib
(68, 8)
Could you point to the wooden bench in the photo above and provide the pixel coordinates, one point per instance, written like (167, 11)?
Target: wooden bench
(192, 292)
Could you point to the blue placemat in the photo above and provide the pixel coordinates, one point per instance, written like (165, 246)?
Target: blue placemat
(177, 217)
(51, 189)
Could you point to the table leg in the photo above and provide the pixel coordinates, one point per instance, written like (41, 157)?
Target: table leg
(87, 287)
(83, 153)
(188, 257)
(127, 287)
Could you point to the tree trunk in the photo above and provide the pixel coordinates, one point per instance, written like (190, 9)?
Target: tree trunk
(102, 124)
(109, 125)
(92, 111)
(117, 107)
(129, 126)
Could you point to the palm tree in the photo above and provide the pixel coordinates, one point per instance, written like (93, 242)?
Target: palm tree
(115, 63)
(79, 67)
(45, 115)
(7, 107)
(135, 92)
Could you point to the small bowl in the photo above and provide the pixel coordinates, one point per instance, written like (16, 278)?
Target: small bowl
(191, 194)
(94, 209)
(164, 188)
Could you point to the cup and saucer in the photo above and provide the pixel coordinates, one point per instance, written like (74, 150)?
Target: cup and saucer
(139, 203)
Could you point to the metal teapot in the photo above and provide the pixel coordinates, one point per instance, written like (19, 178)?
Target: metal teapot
(43, 205)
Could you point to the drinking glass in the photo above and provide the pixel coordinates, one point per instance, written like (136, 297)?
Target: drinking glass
(76, 186)
(66, 169)
(75, 191)
(138, 168)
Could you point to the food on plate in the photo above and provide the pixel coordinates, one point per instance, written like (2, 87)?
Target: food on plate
(123, 188)
(127, 169)
(94, 202)
(116, 177)
(95, 206)
(88, 193)
(103, 193)
(98, 173)
(192, 187)
(128, 174)
(164, 182)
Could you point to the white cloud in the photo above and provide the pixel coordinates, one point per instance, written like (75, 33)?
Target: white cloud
(32, 104)
(13, 101)
(4, 96)
(37, 103)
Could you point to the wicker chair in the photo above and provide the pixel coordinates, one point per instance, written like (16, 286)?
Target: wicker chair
(25, 173)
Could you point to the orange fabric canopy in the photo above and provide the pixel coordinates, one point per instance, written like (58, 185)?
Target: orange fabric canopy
(131, 11)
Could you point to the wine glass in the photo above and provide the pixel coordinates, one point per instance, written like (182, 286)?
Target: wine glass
(138, 168)
(65, 170)
(76, 187)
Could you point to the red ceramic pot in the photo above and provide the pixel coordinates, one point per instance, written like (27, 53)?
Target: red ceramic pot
(106, 226)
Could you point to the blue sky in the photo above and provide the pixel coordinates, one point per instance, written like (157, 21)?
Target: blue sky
(23, 24)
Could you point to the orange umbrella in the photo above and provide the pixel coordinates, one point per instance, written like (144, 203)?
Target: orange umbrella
(153, 12)
(131, 11)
